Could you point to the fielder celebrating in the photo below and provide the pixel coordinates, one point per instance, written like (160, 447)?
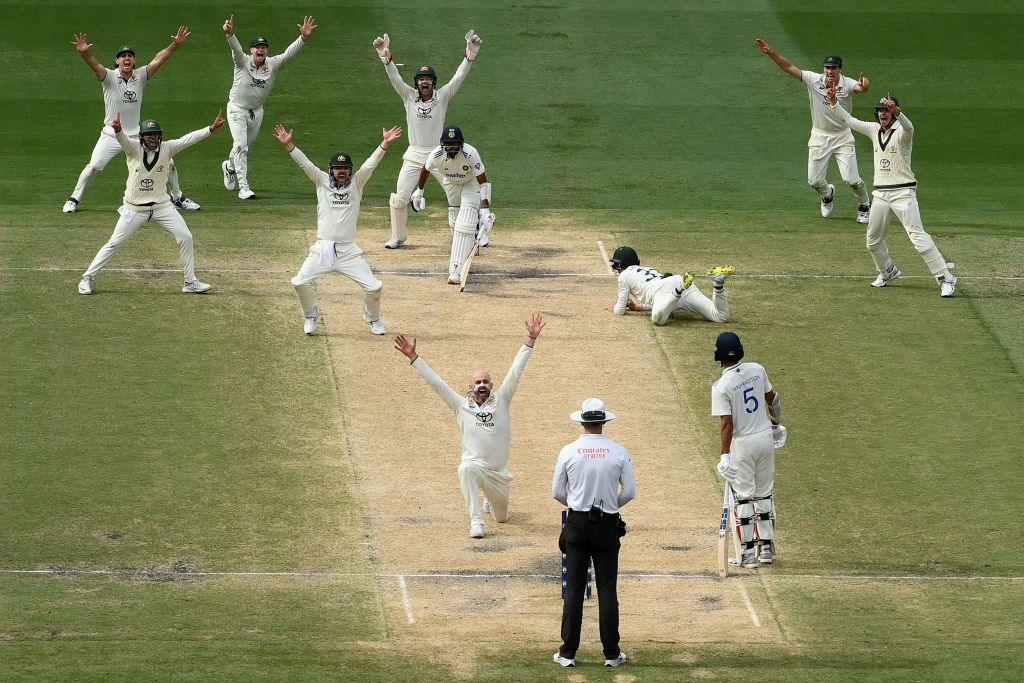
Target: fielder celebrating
(892, 136)
(338, 196)
(425, 109)
(830, 136)
(254, 78)
(750, 412)
(469, 194)
(122, 96)
(146, 198)
(486, 426)
(646, 289)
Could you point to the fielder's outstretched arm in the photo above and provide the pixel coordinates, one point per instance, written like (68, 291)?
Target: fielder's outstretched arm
(511, 382)
(177, 40)
(779, 60)
(407, 347)
(186, 141)
(84, 47)
(366, 170)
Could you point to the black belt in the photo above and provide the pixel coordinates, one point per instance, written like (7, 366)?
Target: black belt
(895, 187)
(600, 514)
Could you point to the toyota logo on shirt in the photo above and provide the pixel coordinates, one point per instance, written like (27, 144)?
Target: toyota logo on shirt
(484, 419)
(129, 95)
(146, 183)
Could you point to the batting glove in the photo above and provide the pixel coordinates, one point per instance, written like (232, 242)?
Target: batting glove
(779, 435)
(727, 469)
(380, 44)
(487, 220)
(473, 43)
(419, 202)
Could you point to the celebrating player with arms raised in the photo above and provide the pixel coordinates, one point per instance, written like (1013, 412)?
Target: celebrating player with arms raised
(122, 98)
(425, 110)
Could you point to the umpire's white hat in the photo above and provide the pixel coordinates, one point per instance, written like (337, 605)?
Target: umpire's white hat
(593, 410)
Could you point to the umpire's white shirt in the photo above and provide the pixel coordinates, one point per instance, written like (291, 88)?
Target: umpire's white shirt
(740, 392)
(424, 120)
(486, 428)
(337, 208)
(594, 470)
(461, 170)
(642, 284)
(252, 84)
(123, 96)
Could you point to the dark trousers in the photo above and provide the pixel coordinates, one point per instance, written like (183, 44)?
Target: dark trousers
(584, 540)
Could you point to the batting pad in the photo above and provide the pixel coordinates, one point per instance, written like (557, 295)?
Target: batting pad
(462, 245)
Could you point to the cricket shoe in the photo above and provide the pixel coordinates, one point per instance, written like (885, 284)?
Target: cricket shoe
(184, 202)
(393, 243)
(70, 206)
(749, 560)
(476, 530)
(618, 661)
(376, 326)
(563, 661)
(767, 554)
(85, 285)
(719, 273)
(885, 278)
(828, 204)
(310, 323)
(230, 177)
(948, 288)
(196, 287)
(863, 213)
(246, 194)
(454, 280)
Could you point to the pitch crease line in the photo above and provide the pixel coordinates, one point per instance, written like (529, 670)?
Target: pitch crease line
(750, 605)
(604, 257)
(496, 274)
(406, 601)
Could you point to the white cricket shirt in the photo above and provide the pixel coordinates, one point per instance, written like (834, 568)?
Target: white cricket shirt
(123, 96)
(463, 169)
(147, 171)
(740, 392)
(424, 120)
(337, 208)
(823, 118)
(892, 150)
(486, 428)
(641, 283)
(252, 84)
(593, 471)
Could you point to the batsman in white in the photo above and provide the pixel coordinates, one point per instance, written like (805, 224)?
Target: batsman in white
(830, 136)
(646, 289)
(255, 74)
(338, 196)
(425, 110)
(469, 195)
(122, 96)
(892, 136)
(750, 413)
(145, 197)
(485, 422)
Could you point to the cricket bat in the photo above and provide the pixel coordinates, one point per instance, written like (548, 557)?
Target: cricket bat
(723, 544)
(467, 265)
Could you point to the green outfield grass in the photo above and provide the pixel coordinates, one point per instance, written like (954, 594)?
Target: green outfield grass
(152, 431)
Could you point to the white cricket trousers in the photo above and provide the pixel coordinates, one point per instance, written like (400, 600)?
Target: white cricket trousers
(463, 216)
(349, 263)
(131, 220)
(753, 456)
(821, 147)
(903, 203)
(107, 147)
(412, 163)
(665, 303)
(244, 125)
(496, 486)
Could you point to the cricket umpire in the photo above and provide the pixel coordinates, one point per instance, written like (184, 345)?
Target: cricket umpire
(594, 478)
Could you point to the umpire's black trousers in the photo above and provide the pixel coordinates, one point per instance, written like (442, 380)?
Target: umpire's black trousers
(586, 537)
